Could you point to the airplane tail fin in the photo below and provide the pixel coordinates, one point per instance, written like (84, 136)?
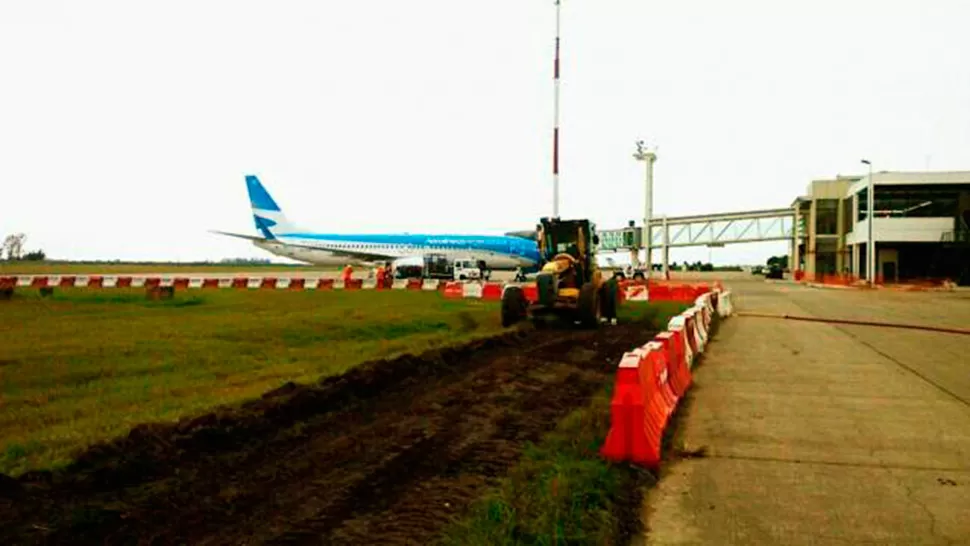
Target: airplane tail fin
(269, 218)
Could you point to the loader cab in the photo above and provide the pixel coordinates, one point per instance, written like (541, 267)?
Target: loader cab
(576, 238)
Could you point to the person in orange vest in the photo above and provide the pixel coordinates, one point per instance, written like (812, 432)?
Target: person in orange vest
(380, 276)
(348, 273)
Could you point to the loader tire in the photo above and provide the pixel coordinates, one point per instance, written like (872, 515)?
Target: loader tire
(514, 306)
(589, 306)
(609, 298)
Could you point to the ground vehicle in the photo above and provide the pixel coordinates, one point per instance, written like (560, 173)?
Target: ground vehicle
(466, 270)
(438, 266)
(630, 272)
(569, 284)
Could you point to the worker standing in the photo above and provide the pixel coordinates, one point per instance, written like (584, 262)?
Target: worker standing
(380, 276)
(348, 273)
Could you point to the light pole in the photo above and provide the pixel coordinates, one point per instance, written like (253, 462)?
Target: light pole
(648, 157)
(555, 122)
(870, 244)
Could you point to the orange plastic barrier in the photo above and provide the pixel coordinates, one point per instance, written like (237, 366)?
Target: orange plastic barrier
(38, 282)
(268, 282)
(240, 283)
(180, 283)
(492, 291)
(655, 366)
(454, 290)
(297, 284)
(123, 282)
(630, 437)
(415, 284)
(661, 292)
(325, 284)
(531, 292)
(689, 326)
(210, 283)
(642, 404)
(153, 282)
(95, 282)
(354, 284)
(673, 354)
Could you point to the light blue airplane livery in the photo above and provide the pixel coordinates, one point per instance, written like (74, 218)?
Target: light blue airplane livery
(279, 236)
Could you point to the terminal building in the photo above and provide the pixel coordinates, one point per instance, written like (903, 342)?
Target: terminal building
(920, 229)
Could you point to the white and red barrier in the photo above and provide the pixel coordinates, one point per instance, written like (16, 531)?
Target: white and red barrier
(651, 380)
(710, 298)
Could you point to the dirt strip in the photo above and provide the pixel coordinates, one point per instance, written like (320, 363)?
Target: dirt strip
(385, 454)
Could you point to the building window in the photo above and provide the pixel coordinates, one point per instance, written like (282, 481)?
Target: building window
(827, 217)
(911, 202)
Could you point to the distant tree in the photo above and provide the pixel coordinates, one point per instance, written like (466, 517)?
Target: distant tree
(13, 246)
(35, 256)
(779, 261)
(707, 267)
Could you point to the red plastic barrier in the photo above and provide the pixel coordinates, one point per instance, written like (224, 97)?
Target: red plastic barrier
(8, 282)
(415, 284)
(325, 284)
(297, 284)
(95, 282)
(66, 282)
(241, 283)
(678, 374)
(492, 291)
(180, 283)
(630, 437)
(123, 282)
(660, 292)
(689, 326)
(656, 364)
(531, 293)
(268, 282)
(454, 290)
(354, 284)
(210, 283)
(38, 282)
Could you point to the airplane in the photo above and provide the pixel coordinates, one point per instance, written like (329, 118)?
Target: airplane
(281, 237)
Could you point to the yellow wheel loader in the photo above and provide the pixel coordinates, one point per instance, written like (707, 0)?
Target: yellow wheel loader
(569, 284)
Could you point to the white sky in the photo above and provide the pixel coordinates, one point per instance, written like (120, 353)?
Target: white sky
(126, 127)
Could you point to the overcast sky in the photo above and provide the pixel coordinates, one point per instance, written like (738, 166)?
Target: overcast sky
(126, 127)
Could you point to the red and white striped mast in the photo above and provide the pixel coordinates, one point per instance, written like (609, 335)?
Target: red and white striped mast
(555, 128)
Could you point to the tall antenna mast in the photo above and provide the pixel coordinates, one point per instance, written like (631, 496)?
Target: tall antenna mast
(555, 128)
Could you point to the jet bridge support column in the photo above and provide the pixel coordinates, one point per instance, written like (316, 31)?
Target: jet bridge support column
(666, 249)
(648, 157)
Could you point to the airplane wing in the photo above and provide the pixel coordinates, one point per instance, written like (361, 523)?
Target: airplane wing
(530, 234)
(360, 255)
(240, 236)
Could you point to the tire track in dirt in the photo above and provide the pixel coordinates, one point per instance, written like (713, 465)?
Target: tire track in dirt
(387, 453)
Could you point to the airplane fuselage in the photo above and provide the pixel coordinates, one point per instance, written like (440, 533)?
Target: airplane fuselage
(498, 252)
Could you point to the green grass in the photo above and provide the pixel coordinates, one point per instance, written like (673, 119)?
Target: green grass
(86, 365)
(561, 491)
(82, 268)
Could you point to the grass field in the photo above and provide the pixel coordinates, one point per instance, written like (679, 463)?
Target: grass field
(86, 366)
(46, 268)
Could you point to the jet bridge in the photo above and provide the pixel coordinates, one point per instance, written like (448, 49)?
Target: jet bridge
(713, 230)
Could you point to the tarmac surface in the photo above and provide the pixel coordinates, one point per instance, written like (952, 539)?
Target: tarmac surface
(814, 433)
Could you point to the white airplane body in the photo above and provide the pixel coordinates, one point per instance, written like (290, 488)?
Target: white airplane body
(282, 238)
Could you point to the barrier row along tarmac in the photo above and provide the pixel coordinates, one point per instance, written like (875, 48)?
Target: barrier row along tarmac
(652, 379)
(629, 290)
